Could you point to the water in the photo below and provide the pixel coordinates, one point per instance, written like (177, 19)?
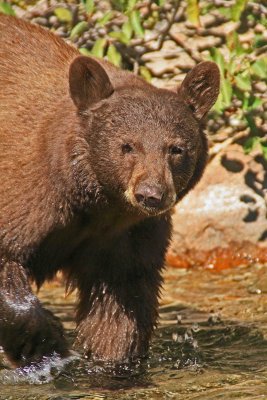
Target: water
(211, 344)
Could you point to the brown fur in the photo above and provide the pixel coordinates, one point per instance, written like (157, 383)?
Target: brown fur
(91, 161)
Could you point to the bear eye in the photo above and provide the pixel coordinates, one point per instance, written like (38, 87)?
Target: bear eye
(175, 150)
(126, 148)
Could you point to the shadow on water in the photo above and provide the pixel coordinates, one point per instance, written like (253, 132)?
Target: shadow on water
(194, 355)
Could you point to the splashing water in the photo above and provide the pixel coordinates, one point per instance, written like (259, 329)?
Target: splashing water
(195, 354)
(43, 372)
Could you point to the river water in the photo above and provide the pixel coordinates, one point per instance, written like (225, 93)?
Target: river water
(211, 343)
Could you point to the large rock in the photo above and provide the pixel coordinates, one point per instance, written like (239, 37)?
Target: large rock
(225, 215)
(169, 59)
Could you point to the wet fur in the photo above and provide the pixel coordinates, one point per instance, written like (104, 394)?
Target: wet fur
(66, 196)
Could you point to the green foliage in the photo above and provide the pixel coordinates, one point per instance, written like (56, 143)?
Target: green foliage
(113, 55)
(98, 49)
(6, 8)
(117, 37)
(78, 29)
(63, 14)
(239, 74)
(89, 6)
(240, 65)
(84, 51)
(237, 9)
(251, 143)
(121, 31)
(125, 34)
(256, 142)
(102, 21)
(145, 73)
(135, 21)
(259, 67)
(192, 11)
(127, 30)
(120, 5)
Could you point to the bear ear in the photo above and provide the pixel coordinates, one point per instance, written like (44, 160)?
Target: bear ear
(88, 82)
(200, 88)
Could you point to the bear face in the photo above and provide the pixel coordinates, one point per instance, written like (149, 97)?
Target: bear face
(148, 151)
(146, 145)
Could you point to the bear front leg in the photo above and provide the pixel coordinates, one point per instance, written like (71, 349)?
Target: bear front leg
(121, 317)
(27, 331)
(119, 292)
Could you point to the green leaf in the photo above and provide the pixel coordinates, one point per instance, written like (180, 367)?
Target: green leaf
(99, 47)
(119, 36)
(102, 21)
(113, 55)
(78, 29)
(205, 9)
(89, 6)
(259, 68)
(237, 9)
(127, 30)
(218, 58)
(251, 124)
(131, 5)
(234, 44)
(252, 102)
(120, 5)
(218, 106)
(145, 73)
(245, 103)
(192, 11)
(6, 8)
(85, 52)
(225, 11)
(63, 14)
(227, 92)
(264, 150)
(243, 82)
(257, 102)
(263, 21)
(232, 67)
(161, 3)
(225, 96)
(250, 144)
(259, 40)
(135, 21)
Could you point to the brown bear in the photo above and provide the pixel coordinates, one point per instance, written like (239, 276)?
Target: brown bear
(92, 159)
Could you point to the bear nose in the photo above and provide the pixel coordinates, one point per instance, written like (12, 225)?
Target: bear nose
(150, 196)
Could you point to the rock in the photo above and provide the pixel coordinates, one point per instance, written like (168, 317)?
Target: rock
(167, 82)
(54, 21)
(208, 20)
(40, 21)
(195, 43)
(224, 29)
(169, 50)
(170, 59)
(260, 87)
(200, 43)
(227, 210)
(158, 67)
(259, 28)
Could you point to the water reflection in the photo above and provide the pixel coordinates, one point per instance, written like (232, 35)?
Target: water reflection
(194, 355)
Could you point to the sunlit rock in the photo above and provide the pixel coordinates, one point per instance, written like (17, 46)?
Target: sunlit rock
(227, 210)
